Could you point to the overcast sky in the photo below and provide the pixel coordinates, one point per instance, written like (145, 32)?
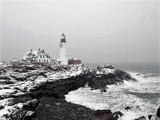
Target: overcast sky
(96, 30)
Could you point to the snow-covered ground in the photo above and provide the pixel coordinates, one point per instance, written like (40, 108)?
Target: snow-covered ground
(19, 85)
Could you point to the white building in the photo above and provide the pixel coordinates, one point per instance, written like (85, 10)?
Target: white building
(63, 52)
(39, 56)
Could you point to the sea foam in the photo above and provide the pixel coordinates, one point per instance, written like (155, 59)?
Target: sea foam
(131, 94)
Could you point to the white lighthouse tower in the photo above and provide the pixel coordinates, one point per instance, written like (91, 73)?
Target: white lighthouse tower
(63, 51)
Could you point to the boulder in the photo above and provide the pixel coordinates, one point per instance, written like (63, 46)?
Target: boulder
(103, 115)
(107, 75)
(149, 117)
(117, 115)
(127, 108)
(29, 115)
(141, 118)
(31, 105)
(158, 112)
(51, 108)
(153, 117)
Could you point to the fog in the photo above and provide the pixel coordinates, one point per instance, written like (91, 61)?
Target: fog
(96, 30)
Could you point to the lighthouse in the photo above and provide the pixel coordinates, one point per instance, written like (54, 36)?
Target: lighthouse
(63, 51)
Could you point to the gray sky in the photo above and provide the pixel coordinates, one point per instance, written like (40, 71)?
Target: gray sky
(96, 30)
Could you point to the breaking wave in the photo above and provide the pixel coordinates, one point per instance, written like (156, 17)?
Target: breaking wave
(143, 96)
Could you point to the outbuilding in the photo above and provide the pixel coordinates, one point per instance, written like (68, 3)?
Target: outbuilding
(15, 61)
(74, 61)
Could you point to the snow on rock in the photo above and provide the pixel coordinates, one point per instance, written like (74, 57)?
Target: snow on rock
(2, 65)
(74, 70)
(22, 79)
(6, 92)
(19, 80)
(105, 69)
(4, 113)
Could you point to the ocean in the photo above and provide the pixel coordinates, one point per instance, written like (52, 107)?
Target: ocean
(143, 96)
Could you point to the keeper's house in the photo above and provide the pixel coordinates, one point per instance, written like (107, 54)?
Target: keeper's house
(40, 56)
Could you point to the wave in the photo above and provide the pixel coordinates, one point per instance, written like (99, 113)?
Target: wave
(142, 97)
(147, 83)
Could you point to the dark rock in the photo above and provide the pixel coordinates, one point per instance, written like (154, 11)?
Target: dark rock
(20, 99)
(141, 118)
(117, 115)
(22, 115)
(59, 88)
(26, 112)
(127, 108)
(103, 115)
(102, 112)
(158, 112)
(31, 105)
(102, 78)
(149, 117)
(19, 115)
(29, 115)
(1, 107)
(5, 77)
(51, 108)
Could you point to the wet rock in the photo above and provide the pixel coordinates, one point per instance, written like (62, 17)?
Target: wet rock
(141, 118)
(117, 115)
(51, 108)
(127, 108)
(1, 107)
(26, 112)
(107, 75)
(18, 115)
(158, 112)
(59, 88)
(19, 99)
(22, 115)
(31, 105)
(153, 117)
(149, 117)
(103, 115)
(29, 115)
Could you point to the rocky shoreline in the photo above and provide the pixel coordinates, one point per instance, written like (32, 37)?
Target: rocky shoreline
(37, 92)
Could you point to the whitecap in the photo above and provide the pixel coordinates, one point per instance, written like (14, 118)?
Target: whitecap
(118, 97)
